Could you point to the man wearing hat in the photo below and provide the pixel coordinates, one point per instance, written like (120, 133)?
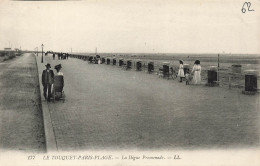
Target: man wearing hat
(47, 81)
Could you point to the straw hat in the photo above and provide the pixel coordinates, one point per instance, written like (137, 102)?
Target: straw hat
(58, 66)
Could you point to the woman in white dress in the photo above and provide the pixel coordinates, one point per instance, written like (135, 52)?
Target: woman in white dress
(181, 71)
(59, 73)
(60, 80)
(196, 70)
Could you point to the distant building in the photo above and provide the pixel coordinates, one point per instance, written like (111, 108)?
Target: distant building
(8, 49)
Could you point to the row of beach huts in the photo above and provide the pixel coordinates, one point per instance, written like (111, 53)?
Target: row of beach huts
(165, 70)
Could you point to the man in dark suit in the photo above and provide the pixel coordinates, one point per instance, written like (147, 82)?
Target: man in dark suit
(47, 81)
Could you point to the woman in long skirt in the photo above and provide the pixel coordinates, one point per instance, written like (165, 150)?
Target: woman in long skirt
(196, 70)
(181, 71)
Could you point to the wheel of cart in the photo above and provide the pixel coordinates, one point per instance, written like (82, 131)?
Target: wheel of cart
(58, 93)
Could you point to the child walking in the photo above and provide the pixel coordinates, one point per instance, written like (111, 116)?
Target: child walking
(181, 71)
(187, 77)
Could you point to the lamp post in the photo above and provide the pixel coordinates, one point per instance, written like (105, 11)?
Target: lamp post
(218, 67)
(42, 53)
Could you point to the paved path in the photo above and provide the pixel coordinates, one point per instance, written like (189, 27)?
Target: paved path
(109, 108)
(21, 123)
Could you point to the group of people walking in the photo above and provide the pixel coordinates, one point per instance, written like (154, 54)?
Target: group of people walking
(61, 56)
(196, 71)
(48, 80)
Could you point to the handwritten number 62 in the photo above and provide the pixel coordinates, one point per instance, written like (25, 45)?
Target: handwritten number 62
(248, 4)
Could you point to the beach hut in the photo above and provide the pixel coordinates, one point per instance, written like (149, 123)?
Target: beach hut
(150, 67)
(90, 59)
(166, 69)
(128, 64)
(103, 60)
(236, 68)
(121, 62)
(212, 76)
(250, 82)
(114, 61)
(108, 60)
(138, 65)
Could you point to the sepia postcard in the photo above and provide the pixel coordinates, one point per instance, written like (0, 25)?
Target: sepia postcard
(130, 82)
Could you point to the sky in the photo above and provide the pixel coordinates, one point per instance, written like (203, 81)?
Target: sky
(131, 26)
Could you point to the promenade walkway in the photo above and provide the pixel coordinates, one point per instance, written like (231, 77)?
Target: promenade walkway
(21, 122)
(109, 108)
